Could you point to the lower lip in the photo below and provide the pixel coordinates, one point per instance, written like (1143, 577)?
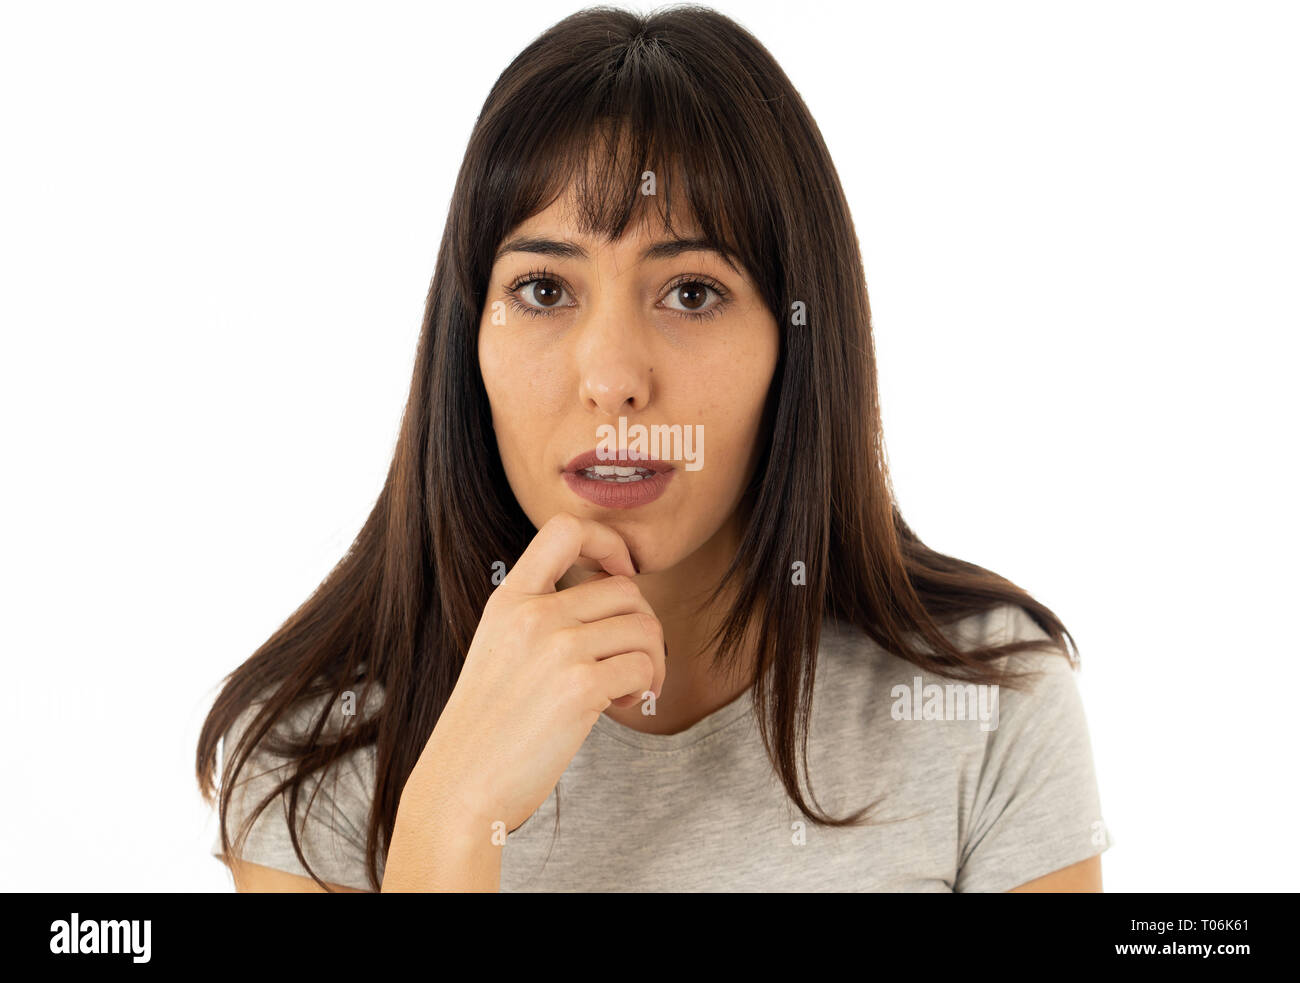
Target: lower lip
(619, 495)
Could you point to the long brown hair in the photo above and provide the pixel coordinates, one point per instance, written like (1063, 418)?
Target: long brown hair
(689, 95)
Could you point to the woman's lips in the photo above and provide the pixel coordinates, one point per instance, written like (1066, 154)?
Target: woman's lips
(618, 491)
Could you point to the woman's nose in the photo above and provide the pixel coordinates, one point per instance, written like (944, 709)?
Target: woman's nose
(613, 363)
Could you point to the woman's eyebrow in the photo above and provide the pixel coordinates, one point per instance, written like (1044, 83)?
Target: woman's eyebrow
(564, 249)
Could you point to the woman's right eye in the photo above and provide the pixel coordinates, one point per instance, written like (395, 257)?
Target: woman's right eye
(538, 296)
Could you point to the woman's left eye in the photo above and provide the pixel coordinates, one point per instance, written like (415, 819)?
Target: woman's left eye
(694, 296)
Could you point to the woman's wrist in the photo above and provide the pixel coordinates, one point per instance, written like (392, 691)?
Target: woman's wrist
(443, 840)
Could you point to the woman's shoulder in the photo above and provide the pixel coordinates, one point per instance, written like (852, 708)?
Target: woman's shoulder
(302, 714)
(1042, 671)
(295, 725)
(1001, 624)
(334, 801)
(1009, 623)
(1040, 710)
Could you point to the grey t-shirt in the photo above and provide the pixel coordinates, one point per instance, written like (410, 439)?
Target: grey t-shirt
(981, 789)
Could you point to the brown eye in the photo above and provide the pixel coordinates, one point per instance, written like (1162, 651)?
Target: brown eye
(691, 297)
(546, 293)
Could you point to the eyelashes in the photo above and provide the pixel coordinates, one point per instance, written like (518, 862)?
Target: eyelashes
(513, 289)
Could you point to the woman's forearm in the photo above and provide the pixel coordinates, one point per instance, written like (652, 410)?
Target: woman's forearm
(441, 843)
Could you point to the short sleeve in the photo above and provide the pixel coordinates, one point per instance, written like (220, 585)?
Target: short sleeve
(332, 833)
(1036, 805)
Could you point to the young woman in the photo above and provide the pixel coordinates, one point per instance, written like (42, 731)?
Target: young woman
(635, 609)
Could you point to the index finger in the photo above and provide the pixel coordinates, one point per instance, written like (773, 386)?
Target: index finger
(558, 544)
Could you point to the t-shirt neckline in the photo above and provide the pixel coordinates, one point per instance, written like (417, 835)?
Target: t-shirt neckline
(704, 727)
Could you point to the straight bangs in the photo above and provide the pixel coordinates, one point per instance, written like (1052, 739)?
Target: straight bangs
(647, 141)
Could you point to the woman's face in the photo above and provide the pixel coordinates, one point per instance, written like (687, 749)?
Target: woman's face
(674, 340)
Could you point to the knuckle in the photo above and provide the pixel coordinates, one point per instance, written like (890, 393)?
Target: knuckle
(650, 625)
(624, 584)
(558, 643)
(584, 685)
(530, 618)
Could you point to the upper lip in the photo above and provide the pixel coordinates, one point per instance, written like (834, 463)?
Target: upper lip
(625, 458)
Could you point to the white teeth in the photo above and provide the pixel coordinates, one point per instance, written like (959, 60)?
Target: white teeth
(615, 473)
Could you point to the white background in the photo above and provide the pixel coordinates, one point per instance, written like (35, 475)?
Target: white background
(217, 227)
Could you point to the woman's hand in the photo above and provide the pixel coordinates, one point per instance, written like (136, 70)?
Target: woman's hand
(542, 667)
